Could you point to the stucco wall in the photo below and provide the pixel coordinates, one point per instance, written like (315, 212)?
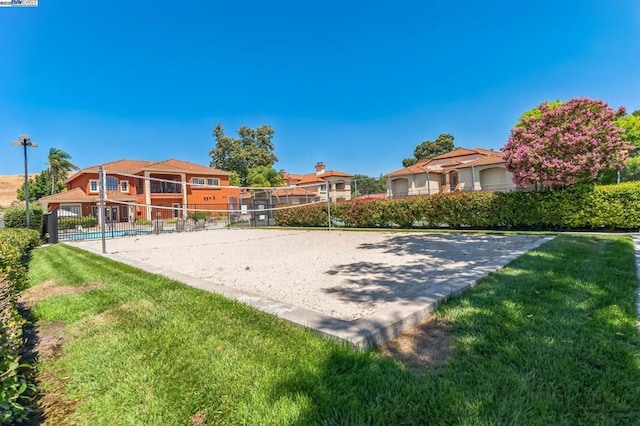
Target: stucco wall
(493, 179)
(400, 186)
(464, 176)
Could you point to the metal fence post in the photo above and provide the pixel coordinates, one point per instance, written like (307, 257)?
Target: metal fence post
(328, 209)
(101, 215)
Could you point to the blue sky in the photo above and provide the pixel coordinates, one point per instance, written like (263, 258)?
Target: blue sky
(355, 84)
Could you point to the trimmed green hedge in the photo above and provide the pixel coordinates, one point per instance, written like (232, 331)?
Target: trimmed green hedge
(575, 207)
(72, 222)
(198, 215)
(16, 217)
(15, 390)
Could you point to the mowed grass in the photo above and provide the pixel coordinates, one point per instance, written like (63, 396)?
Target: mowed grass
(550, 339)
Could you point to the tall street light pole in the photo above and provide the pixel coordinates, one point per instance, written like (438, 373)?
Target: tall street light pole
(25, 141)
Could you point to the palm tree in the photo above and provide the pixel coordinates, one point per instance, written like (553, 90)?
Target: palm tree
(59, 165)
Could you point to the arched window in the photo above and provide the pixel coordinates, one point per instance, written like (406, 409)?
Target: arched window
(112, 184)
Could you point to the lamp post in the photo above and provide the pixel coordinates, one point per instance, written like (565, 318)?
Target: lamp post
(25, 141)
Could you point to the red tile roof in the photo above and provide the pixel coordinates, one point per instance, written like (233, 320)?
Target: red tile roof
(494, 159)
(76, 195)
(138, 166)
(412, 170)
(293, 192)
(460, 152)
(184, 166)
(451, 164)
(311, 178)
(335, 173)
(424, 166)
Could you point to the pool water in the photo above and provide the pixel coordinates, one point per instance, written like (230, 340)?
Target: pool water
(107, 234)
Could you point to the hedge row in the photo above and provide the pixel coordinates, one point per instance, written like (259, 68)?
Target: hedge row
(576, 207)
(16, 217)
(14, 387)
(73, 222)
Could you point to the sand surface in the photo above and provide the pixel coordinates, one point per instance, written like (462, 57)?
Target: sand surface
(342, 274)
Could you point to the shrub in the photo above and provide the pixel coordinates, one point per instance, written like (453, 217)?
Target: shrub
(143, 222)
(72, 222)
(310, 215)
(14, 388)
(16, 217)
(198, 215)
(575, 207)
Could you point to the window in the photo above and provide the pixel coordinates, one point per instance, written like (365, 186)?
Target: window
(323, 187)
(93, 186)
(112, 184)
(200, 181)
(124, 186)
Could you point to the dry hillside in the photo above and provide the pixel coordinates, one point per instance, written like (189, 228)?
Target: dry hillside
(9, 184)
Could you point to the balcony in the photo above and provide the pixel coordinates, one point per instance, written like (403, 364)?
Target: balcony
(166, 188)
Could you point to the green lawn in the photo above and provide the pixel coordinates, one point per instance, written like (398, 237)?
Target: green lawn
(550, 339)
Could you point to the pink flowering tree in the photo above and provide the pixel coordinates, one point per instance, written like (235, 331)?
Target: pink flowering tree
(565, 143)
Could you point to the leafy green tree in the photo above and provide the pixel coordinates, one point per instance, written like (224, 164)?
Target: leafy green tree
(264, 176)
(40, 186)
(234, 179)
(409, 161)
(60, 165)
(430, 149)
(252, 149)
(631, 171)
(364, 185)
(631, 125)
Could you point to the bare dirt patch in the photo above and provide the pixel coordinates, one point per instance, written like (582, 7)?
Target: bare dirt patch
(54, 407)
(45, 341)
(50, 289)
(425, 346)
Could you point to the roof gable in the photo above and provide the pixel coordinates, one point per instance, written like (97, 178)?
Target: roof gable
(75, 195)
(450, 160)
(185, 166)
(140, 166)
(310, 178)
(461, 152)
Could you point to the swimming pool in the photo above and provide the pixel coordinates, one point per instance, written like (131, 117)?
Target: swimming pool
(107, 234)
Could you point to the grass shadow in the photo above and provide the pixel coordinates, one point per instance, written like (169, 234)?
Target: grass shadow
(551, 339)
